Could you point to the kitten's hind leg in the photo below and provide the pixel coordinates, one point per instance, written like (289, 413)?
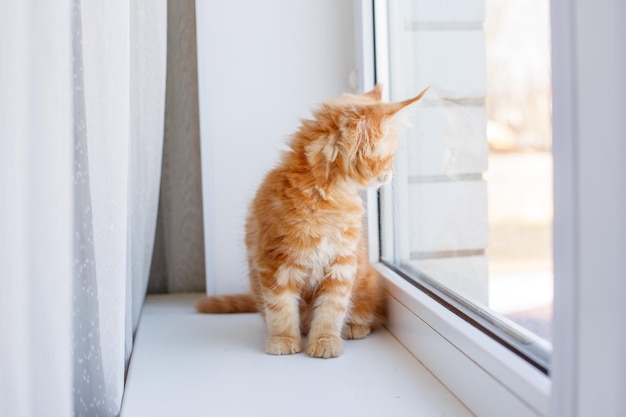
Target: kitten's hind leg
(353, 331)
(368, 305)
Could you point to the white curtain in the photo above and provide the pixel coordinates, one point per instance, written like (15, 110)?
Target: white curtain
(82, 91)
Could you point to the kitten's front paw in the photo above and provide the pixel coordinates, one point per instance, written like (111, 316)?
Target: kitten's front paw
(354, 331)
(325, 347)
(283, 345)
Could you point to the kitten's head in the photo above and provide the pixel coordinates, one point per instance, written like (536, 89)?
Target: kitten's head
(354, 138)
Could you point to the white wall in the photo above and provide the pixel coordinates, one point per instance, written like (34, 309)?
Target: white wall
(262, 67)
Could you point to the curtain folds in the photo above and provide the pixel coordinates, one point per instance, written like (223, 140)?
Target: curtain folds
(82, 96)
(122, 48)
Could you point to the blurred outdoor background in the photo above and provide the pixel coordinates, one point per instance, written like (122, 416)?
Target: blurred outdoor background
(519, 177)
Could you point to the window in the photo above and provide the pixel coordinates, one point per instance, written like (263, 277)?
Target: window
(468, 217)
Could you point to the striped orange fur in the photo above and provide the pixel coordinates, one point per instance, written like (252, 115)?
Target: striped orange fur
(236, 303)
(307, 255)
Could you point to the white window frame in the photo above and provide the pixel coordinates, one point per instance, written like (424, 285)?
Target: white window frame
(487, 377)
(589, 63)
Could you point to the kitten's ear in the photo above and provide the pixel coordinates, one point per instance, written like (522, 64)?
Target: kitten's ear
(392, 109)
(396, 114)
(376, 93)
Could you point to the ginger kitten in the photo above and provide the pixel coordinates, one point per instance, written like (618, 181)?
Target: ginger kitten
(307, 255)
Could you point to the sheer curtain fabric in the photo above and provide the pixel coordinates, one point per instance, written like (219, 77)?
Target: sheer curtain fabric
(82, 91)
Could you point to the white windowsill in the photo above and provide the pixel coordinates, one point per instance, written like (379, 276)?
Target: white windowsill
(189, 364)
(488, 378)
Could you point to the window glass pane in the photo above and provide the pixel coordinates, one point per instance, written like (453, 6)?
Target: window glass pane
(470, 207)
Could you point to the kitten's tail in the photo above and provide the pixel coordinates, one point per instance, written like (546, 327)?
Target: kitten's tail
(223, 304)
